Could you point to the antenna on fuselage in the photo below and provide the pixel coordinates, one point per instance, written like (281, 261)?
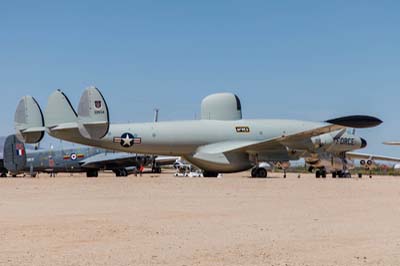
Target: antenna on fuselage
(156, 111)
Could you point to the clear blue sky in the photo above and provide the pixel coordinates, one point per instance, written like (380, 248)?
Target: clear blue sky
(310, 60)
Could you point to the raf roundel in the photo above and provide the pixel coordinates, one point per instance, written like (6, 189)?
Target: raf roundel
(73, 156)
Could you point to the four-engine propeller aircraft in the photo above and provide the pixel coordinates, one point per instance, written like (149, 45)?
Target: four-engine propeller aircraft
(220, 142)
(19, 160)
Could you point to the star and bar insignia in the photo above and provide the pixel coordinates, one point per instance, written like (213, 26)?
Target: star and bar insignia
(127, 140)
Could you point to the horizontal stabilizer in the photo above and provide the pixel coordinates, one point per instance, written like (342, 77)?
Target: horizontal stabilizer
(93, 117)
(34, 130)
(356, 121)
(29, 121)
(64, 126)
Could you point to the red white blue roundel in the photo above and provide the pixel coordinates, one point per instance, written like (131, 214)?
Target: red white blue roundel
(73, 156)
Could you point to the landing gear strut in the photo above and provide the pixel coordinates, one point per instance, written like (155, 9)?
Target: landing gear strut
(156, 170)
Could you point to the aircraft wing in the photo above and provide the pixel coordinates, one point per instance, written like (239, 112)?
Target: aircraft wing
(364, 156)
(166, 160)
(393, 143)
(112, 160)
(302, 136)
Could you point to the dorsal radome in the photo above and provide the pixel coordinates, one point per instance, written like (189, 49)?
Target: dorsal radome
(221, 106)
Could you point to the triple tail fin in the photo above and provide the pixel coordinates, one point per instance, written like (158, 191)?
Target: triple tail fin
(93, 115)
(29, 121)
(59, 113)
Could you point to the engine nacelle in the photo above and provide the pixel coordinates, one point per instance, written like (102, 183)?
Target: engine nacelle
(282, 165)
(338, 142)
(329, 163)
(368, 164)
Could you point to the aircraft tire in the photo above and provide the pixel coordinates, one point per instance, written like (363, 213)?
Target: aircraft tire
(317, 174)
(262, 173)
(254, 172)
(323, 174)
(92, 173)
(210, 174)
(360, 175)
(259, 172)
(334, 174)
(124, 172)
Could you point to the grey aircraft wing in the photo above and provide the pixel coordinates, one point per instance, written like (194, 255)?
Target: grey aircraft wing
(364, 156)
(111, 160)
(392, 143)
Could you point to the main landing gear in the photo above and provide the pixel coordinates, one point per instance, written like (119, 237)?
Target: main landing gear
(156, 170)
(341, 174)
(360, 175)
(210, 174)
(259, 172)
(92, 173)
(121, 172)
(320, 173)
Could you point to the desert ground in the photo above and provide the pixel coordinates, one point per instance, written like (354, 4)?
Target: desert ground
(233, 220)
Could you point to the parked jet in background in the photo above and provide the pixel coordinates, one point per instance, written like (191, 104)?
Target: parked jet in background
(19, 160)
(221, 142)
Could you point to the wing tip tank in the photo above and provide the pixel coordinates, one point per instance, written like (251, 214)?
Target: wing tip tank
(356, 121)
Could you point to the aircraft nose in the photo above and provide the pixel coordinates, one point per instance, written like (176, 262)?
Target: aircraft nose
(363, 143)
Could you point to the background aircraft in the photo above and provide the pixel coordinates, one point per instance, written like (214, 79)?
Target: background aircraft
(3, 170)
(220, 142)
(18, 160)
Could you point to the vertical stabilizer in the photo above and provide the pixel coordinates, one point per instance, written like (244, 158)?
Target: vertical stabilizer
(93, 116)
(29, 121)
(59, 111)
(14, 155)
